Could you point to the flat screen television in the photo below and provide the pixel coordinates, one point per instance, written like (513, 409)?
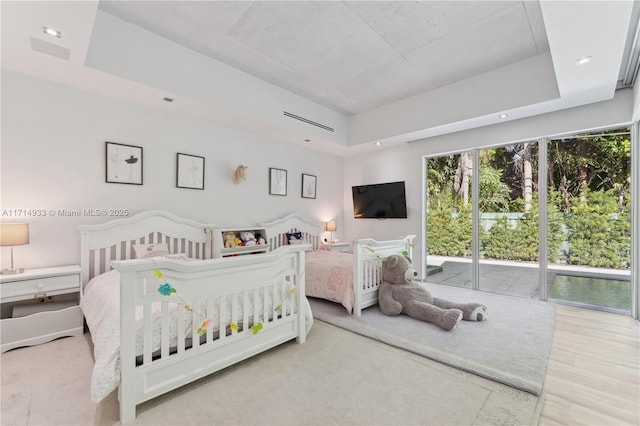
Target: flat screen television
(380, 201)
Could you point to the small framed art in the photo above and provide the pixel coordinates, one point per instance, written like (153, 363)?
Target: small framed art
(277, 181)
(123, 163)
(189, 171)
(308, 186)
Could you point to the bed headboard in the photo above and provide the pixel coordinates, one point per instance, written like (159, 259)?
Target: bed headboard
(113, 240)
(277, 229)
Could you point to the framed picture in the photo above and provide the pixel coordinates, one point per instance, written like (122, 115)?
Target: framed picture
(277, 181)
(123, 163)
(190, 171)
(308, 186)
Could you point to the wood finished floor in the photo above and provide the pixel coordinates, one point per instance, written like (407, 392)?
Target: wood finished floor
(593, 376)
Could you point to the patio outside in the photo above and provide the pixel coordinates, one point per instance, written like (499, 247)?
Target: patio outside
(595, 288)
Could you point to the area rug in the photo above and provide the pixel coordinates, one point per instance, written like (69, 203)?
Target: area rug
(511, 347)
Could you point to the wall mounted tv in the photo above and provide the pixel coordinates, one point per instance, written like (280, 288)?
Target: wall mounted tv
(380, 201)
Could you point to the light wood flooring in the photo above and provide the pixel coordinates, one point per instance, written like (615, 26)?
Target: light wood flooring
(593, 376)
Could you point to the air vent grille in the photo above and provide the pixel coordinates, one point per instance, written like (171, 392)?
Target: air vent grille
(306, 120)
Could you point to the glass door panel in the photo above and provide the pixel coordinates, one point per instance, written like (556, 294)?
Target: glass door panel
(508, 220)
(589, 221)
(449, 221)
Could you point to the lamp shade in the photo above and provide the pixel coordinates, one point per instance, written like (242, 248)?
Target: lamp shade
(14, 234)
(330, 225)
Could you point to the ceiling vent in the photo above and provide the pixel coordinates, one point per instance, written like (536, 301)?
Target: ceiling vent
(306, 120)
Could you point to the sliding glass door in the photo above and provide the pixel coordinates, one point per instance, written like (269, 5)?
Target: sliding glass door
(585, 223)
(589, 220)
(449, 219)
(508, 220)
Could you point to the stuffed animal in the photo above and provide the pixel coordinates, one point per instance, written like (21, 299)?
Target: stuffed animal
(399, 294)
(238, 242)
(248, 238)
(229, 239)
(260, 239)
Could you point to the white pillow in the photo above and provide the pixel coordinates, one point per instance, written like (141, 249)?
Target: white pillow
(144, 251)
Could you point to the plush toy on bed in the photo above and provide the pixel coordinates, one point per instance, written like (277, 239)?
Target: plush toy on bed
(248, 238)
(399, 294)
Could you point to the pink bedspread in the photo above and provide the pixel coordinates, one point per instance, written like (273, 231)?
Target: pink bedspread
(329, 275)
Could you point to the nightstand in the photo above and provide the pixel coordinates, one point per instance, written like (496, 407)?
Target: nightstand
(40, 305)
(339, 247)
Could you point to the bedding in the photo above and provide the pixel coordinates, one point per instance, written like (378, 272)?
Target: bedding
(329, 276)
(144, 251)
(101, 307)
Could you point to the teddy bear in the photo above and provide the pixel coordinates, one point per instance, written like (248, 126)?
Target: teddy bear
(229, 239)
(248, 238)
(398, 293)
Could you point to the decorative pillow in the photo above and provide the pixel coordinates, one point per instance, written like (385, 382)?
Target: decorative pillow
(294, 238)
(144, 251)
(176, 256)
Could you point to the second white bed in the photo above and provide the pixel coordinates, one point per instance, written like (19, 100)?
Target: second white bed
(351, 279)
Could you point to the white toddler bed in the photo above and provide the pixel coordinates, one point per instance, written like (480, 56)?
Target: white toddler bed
(351, 279)
(149, 339)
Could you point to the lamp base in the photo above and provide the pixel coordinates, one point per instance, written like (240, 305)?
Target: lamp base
(12, 271)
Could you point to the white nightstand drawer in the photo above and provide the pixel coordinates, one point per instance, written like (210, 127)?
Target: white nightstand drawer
(39, 287)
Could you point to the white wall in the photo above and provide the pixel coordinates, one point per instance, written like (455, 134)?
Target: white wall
(53, 157)
(405, 162)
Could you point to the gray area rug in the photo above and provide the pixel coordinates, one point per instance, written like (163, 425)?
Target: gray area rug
(511, 347)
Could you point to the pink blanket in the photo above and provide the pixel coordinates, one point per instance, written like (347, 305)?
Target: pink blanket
(329, 275)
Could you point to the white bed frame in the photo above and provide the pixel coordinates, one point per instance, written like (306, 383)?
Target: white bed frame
(367, 253)
(205, 281)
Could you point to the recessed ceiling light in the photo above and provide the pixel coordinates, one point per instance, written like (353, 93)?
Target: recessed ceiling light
(307, 140)
(51, 32)
(584, 60)
(167, 99)
(503, 115)
(378, 143)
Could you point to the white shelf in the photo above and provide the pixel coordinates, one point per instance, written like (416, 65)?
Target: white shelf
(242, 249)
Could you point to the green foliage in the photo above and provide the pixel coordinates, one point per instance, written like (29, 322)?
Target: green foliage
(595, 234)
(448, 234)
(588, 202)
(494, 194)
(518, 240)
(598, 235)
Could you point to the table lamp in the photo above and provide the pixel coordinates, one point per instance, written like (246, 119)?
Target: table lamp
(330, 226)
(13, 234)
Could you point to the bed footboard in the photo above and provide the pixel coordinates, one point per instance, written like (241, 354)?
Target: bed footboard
(368, 255)
(186, 320)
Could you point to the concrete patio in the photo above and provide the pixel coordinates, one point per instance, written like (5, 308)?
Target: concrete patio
(521, 279)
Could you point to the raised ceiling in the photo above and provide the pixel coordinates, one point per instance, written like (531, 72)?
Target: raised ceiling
(373, 71)
(350, 56)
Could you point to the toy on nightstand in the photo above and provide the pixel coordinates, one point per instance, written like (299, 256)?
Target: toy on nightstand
(237, 241)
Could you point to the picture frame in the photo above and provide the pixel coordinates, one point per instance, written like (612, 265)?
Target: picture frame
(189, 171)
(277, 181)
(123, 163)
(308, 186)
